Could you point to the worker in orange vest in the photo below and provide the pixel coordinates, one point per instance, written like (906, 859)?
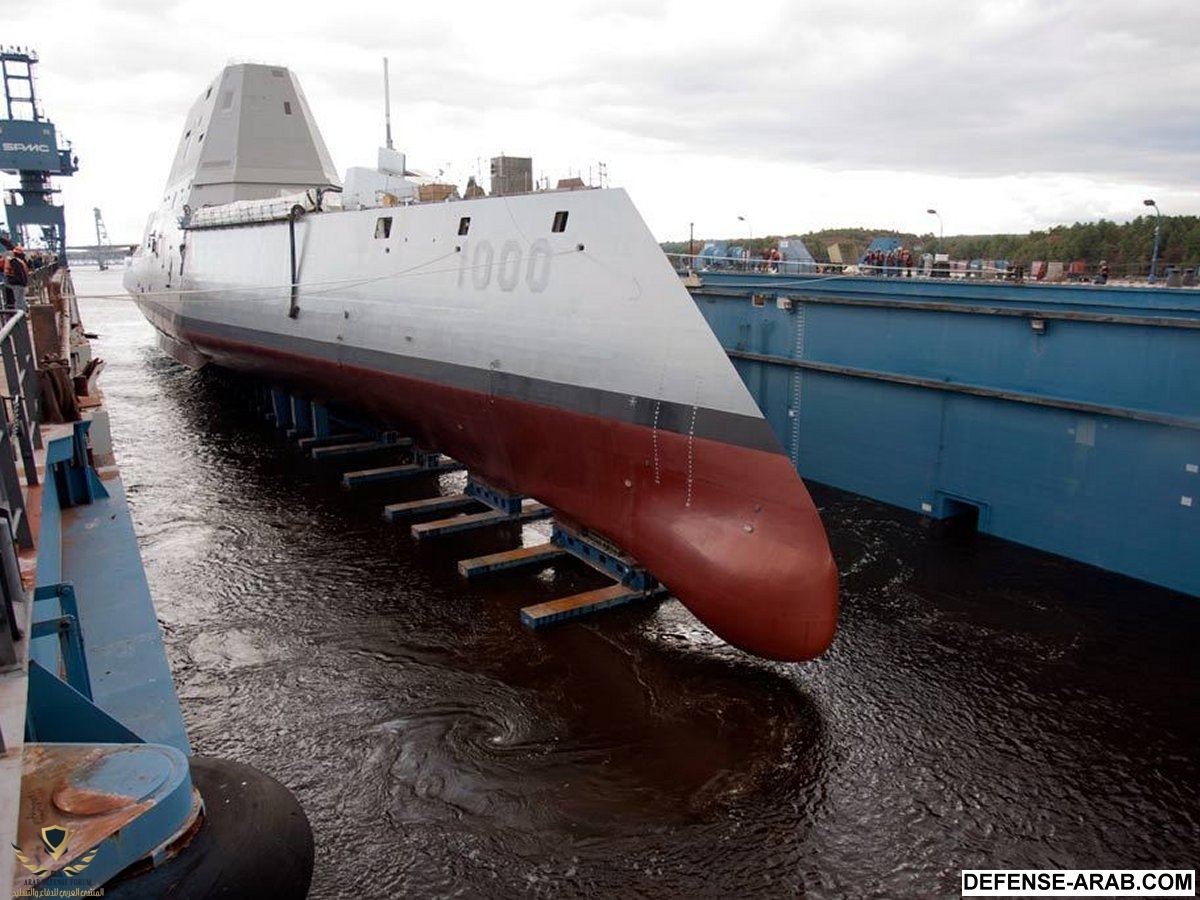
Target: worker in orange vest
(16, 279)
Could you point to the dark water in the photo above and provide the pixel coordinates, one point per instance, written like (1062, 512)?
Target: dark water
(983, 706)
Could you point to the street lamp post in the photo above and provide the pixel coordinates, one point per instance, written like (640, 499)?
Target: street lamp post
(941, 230)
(749, 240)
(1154, 252)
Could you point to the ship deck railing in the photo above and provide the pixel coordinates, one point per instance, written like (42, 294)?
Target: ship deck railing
(985, 270)
(1180, 275)
(320, 200)
(20, 444)
(18, 426)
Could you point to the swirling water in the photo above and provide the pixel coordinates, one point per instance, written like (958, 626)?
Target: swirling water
(984, 705)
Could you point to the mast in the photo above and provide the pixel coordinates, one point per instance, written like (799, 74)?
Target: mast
(387, 104)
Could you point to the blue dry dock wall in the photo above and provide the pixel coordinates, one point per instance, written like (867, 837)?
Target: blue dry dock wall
(1076, 436)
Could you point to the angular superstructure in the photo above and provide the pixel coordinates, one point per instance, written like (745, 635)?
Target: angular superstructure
(250, 135)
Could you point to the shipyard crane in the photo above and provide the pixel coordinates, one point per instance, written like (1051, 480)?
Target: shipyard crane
(32, 150)
(101, 239)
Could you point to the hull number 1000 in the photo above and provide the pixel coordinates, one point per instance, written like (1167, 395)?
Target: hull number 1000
(479, 264)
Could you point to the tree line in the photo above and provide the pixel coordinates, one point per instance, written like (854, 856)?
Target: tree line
(1125, 247)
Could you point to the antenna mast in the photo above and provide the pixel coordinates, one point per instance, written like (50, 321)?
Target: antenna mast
(387, 104)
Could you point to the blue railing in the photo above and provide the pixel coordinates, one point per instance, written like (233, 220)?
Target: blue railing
(18, 434)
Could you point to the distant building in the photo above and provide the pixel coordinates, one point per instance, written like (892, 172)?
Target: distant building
(511, 175)
(474, 190)
(428, 193)
(570, 184)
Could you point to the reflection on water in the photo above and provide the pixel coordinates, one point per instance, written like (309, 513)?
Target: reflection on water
(983, 705)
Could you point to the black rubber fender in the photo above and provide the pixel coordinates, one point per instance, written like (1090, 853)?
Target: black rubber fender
(255, 841)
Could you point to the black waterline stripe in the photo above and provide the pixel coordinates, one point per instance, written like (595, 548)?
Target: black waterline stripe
(711, 424)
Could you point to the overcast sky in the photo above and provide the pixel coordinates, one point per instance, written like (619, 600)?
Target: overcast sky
(1004, 115)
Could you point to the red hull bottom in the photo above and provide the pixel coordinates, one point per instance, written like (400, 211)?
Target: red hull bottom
(731, 532)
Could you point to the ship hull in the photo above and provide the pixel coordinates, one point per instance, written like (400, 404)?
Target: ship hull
(543, 340)
(730, 530)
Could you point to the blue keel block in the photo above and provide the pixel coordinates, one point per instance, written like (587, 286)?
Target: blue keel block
(537, 555)
(328, 440)
(301, 418)
(281, 407)
(605, 558)
(578, 605)
(501, 501)
(394, 512)
(396, 473)
(348, 449)
(320, 421)
(531, 511)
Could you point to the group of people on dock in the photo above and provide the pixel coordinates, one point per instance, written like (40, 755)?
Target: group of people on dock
(893, 263)
(17, 268)
(769, 260)
(16, 275)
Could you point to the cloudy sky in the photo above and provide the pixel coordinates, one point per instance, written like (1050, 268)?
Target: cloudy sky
(1005, 115)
